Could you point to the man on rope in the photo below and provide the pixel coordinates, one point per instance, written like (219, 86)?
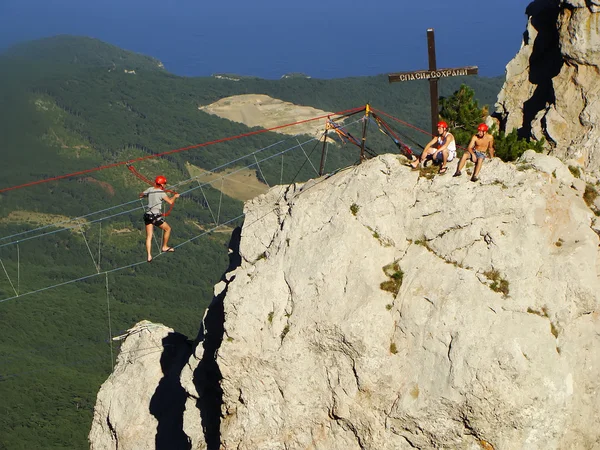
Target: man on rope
(441, 148)
(481, 143)
(153, 216)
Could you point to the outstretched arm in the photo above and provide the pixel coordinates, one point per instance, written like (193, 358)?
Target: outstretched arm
(492, 147)
(170, 200)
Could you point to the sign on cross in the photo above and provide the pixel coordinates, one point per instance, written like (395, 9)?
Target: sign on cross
(433, 74)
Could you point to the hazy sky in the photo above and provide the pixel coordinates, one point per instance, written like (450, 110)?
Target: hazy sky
(268, 38)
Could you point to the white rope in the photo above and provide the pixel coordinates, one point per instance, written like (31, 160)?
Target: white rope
(79, 218)
(18, 269)
(89, 250)
(112, 358)
(9, 280)
(325, 153)
(208, 204)
(99, 243)
(141, 262)
(134, 201)
(220, 202)
(261, 172)
(314, 168)
(117, 269)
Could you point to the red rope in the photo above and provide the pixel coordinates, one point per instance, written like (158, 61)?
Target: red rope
(143, 158)
(398, 120)
(408, 125)
(139, 175)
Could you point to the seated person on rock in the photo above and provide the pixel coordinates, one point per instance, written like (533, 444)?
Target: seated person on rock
(441, 148)
(481, 144)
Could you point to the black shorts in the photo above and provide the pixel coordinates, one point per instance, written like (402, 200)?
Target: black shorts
(155, 219)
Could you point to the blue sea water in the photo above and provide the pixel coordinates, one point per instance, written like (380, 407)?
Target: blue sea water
(269, 38)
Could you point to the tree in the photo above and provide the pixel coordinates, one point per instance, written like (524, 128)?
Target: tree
(462, 113)
(509, 146)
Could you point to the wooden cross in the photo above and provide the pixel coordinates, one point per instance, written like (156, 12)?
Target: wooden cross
(433, 74)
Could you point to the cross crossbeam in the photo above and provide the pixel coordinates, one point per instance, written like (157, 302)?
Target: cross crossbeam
(433, 75)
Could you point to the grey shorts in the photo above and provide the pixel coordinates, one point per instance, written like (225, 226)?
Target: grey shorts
(480, 155)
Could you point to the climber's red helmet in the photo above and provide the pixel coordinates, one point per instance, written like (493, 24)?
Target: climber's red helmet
(442, 124)
(160, 180)
(482, 127)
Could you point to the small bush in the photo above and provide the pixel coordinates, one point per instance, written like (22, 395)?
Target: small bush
(270, 317)
(393, 349)
(285, 331)
(509, 146)
(262, 256)
(590, 195)
(354, 209)
(575, 171)
(554, 330)
(388, 306)
(396, 275)
(498, 284)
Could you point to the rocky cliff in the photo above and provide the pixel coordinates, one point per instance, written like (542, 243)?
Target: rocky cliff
(551, 89)
(382, 308)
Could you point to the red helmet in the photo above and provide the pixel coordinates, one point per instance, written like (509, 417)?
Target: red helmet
(482, 127)
(160, 180)
(442, 124)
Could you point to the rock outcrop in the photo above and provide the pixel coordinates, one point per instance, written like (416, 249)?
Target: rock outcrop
(551, 89)
(379, 308)
(141, 404)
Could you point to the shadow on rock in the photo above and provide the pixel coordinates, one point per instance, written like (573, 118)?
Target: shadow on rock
(207, 376)
(545, 62)
(168, 402)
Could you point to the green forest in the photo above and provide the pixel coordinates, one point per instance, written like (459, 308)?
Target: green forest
(71, 104)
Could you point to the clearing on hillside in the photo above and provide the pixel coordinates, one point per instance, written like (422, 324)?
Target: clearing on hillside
(259, 110)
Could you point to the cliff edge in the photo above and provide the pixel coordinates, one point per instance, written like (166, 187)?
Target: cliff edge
(379, 308)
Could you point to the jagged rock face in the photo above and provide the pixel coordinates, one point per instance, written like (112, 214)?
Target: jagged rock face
(490, 341)
(551, 89)
(141, 404)
(316, 354)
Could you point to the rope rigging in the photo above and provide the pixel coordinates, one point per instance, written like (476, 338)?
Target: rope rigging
(332, 125)
(117, 269)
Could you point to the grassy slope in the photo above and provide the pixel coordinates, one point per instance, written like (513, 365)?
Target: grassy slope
(68, 105)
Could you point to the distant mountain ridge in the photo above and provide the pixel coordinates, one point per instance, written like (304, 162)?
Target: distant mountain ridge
(81, 50)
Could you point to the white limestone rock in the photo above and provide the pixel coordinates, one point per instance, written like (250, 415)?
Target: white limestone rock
(490, 342)
(140, 406)
(317, 355)
(551, 89)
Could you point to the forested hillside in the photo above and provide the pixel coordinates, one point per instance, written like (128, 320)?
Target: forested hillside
(70, 104)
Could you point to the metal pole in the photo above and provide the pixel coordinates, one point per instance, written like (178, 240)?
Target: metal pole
(364, 135)
(322, 165)
(433, 82)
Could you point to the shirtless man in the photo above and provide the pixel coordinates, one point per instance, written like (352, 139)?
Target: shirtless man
(481, 143)
(441, 148)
